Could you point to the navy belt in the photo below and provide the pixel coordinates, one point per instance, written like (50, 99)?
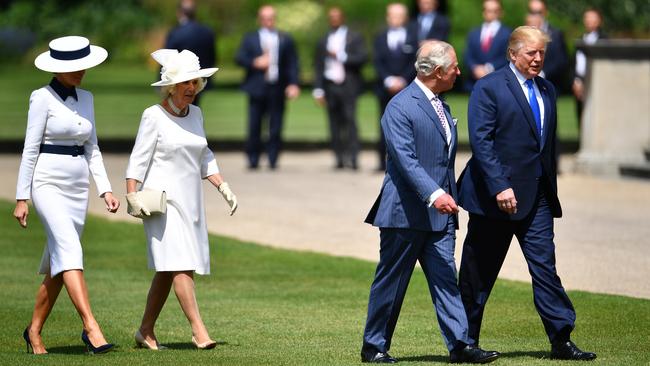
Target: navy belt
(62, 149)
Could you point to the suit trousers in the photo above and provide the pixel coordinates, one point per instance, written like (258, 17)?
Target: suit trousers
(400, 249)
(341, 110)
(484, 251)
(270, 103)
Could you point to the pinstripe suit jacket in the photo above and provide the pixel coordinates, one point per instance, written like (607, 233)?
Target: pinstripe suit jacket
(419, 162)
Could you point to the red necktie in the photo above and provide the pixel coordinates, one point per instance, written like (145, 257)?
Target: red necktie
(487, 42)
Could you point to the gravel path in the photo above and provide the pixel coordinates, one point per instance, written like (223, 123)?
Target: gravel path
(603, 241)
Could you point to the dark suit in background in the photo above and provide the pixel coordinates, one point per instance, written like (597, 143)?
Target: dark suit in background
(193, 36)
(391, 62)
(485, 49)
(429, 23)
(341, 87)
(509, 188)
(266, 98)
(556, 62)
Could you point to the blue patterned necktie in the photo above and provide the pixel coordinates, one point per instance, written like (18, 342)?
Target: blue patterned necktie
(534, 106)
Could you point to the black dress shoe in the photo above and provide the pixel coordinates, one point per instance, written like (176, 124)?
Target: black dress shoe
(472, 354)
(569, 351)
(377, 357)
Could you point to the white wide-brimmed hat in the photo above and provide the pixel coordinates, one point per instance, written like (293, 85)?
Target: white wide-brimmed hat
(179, 66)
(69, 54)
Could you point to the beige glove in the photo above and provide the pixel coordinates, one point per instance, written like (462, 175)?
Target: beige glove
(135, 207)
(230, 197)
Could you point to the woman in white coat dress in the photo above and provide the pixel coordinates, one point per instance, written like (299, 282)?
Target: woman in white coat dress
(60, 150)
(171, 154)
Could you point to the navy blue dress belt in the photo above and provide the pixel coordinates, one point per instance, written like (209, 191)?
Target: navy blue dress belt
(62, 149)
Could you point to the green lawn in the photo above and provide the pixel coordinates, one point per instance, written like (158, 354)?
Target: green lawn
(269, 306)
(122, 93)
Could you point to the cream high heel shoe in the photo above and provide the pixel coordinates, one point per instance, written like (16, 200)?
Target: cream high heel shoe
(205, 345)
(142, 342)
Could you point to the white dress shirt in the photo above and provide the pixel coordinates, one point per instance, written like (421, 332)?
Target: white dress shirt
(270, 42)
(334, 66)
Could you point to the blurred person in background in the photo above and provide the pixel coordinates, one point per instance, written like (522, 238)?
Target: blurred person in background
(171, 154)
(193, 36)
(592, 21)
(556, 62)
(394, 55)
(430, 24)
(338, 60)
(486, 45)
(271, 62)
(60, 150)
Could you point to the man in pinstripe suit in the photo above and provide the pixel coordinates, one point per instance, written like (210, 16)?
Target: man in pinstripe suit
(416, 211)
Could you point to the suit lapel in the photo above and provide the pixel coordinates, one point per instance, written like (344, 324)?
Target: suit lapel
(452, 126)
(518, 94)
(548, 110)
(426, 106)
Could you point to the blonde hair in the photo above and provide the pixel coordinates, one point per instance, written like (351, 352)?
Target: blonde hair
(168, 90)
(523, 34)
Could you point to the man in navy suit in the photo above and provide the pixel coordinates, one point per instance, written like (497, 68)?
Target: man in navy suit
(509, 188)
(416, 211)
(193, 36)
(271, 64)
(486, 45)
(394, 55)
(337, 84)
(430, 24)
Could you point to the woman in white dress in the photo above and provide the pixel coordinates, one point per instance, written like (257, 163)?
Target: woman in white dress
(171, 154)
(60, 150)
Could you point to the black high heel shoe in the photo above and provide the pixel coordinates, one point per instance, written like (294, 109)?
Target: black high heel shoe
(28, 342)
(92, 349)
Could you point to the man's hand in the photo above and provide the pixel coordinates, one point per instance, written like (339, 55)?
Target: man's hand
(292, 91)
(262, 62)
(507, 202)
(397, 84)
(445, 204)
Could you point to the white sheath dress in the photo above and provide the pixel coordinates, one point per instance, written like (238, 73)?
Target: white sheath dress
(171, 154)
(58, 184)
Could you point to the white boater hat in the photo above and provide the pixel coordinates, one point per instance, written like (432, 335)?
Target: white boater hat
(179, 66)
(69, 54)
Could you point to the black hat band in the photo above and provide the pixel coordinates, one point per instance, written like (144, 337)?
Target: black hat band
(70, 55)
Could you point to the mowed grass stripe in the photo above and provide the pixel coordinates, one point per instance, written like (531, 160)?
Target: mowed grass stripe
(271, 306)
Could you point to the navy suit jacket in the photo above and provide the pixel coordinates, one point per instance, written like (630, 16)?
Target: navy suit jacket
(357, 52)
(419, 162)
(556, 61)
(474, 55)
(197, 38)
(507, 151)
(439, 29)
(254, 83)
(394, 63)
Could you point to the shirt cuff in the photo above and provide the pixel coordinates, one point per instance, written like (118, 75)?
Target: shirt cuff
(318, 93)
(434, 196)
(388, 81)
(342, 56)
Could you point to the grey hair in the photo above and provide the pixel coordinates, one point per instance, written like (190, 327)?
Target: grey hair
(168, 90)
(438, 55)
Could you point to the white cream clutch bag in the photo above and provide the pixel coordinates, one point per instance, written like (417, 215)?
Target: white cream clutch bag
(153, 201)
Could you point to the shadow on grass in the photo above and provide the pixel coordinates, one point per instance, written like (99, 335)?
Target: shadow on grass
(188, 345)
(445, 359)
(68, 350)
(534, 354)
(424, 358)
